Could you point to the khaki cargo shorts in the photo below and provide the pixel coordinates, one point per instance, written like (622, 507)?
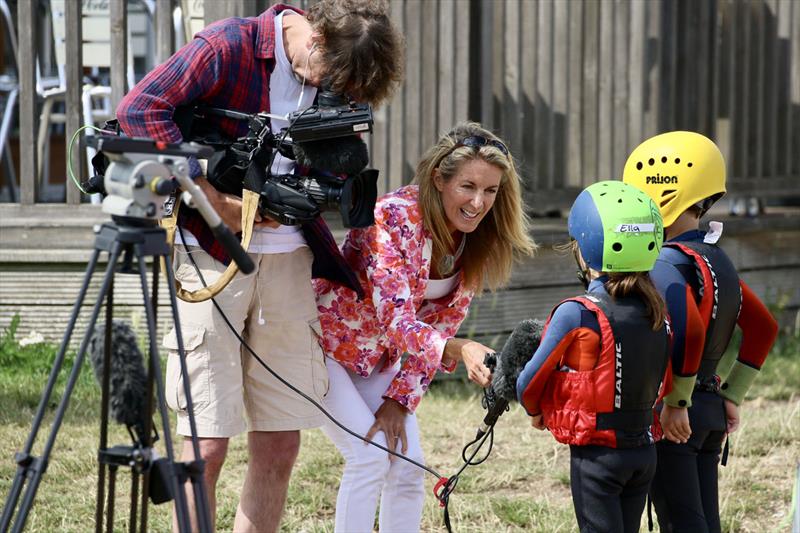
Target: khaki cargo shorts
(275, 312)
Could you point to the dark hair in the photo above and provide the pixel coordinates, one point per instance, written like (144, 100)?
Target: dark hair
(639, 283)
(362, 50)
(625, 284)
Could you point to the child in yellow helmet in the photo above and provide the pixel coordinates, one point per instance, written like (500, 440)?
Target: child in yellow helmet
(684, 173)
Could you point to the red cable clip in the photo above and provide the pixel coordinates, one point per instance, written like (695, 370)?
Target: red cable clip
(438, 487)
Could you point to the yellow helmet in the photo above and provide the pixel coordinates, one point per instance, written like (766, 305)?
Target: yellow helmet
(677, 170)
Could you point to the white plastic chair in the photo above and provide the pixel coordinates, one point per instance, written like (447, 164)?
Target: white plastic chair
(193, 17)
(9, 89)
(96, 99)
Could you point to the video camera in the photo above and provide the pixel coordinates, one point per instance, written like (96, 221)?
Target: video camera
(324, 142)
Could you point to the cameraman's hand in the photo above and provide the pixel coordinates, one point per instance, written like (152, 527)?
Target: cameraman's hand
(472, 354)
(229, 208)
(537, 421)
(391, 419)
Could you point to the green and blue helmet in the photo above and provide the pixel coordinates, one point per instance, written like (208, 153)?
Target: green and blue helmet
(617, 226)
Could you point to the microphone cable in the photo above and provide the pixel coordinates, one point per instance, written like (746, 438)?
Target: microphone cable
(444, 486)
(292, 387)
(449, 485)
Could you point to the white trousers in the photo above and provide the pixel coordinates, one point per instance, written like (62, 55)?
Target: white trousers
(369, 474)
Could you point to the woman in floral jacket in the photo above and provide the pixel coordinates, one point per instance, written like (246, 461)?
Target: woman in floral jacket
(434, 244)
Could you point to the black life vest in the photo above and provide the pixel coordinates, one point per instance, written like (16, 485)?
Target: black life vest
(719, 299)
(612, 404)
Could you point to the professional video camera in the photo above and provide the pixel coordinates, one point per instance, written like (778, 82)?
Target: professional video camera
(322, 139)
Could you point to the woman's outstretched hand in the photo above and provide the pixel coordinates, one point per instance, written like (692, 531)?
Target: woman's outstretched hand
(472, 354)
(391, 419)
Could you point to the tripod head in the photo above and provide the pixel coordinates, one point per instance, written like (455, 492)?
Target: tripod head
(139, 182)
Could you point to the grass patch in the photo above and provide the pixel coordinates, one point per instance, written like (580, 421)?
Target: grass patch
(523, 486)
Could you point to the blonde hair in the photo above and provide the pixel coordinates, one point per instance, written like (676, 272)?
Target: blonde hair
(504, 233)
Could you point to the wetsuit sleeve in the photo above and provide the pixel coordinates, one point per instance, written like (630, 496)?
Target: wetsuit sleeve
(688, 331)
(563, 335)
(759, 330)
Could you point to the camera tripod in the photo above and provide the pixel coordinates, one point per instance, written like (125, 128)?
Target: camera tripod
(131, 241)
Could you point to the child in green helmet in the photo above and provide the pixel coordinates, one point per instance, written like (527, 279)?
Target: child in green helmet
(602, 361)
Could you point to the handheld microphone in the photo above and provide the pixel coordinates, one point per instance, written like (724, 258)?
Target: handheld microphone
(340, 155)
(496, 408)
(517, 351)
(127, 376)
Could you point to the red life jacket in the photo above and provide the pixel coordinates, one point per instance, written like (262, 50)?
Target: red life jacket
(606, 405)
(720, 299)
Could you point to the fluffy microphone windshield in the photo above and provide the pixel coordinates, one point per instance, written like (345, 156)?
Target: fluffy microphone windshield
(128, 380)
(340, 155)
(517, 351)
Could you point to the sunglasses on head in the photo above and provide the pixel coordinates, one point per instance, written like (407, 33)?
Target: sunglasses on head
(478, 141)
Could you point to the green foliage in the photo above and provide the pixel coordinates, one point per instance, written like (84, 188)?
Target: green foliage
(24, 371)
(33, 359)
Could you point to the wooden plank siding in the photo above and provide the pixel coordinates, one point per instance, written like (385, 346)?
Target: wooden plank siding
(43, 293)
(572, 85)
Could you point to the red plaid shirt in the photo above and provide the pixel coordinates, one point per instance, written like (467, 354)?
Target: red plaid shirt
(226, 65)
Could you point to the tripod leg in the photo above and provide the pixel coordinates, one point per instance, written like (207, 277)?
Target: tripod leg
(149, 404)
(197, 477)
(24, 459)
(112, 486)
(154, 369)
(106, 378)
(134, 501)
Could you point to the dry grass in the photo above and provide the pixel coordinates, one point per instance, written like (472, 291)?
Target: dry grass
(524, 485)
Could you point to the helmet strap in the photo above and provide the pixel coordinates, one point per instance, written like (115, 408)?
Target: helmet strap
(583, 268)
(705, 205)
(583, 277)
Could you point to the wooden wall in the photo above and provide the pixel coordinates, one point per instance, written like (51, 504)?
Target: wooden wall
(573, 85)
(766, 252)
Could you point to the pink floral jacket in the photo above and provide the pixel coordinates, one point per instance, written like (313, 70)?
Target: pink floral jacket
(392, 260)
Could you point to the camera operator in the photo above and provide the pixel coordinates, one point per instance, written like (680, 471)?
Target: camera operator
(270, 63)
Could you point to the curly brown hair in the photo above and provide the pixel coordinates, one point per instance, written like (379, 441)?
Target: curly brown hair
(362, 50)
